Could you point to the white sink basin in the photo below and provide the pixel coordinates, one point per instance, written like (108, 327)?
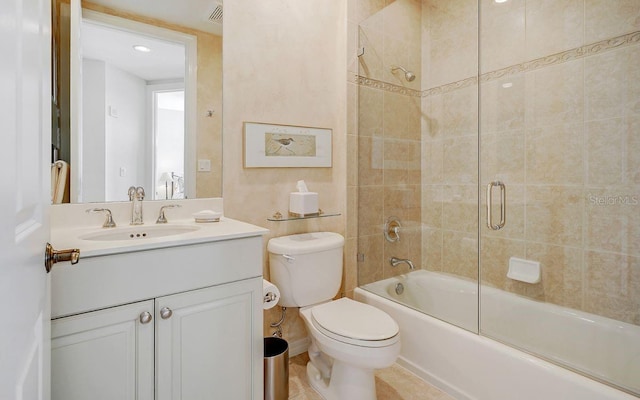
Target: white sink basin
(138, 233)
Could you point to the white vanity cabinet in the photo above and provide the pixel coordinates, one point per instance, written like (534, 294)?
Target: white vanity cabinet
(105, 354)
(203, 347)
(203, 338)
(203, 343)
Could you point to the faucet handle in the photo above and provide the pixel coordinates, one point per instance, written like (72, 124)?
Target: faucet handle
(108, 222)
(161, 218)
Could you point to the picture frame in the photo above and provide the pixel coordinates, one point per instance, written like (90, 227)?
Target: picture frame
(286, 146)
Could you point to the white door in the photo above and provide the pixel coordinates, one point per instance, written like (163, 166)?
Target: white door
(25, 117)
(104, 355)
(205, 343)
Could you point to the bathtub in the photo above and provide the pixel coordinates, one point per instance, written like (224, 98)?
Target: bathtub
(470, 366)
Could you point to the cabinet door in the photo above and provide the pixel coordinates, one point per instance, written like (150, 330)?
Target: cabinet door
(209, 343)
(103, 355)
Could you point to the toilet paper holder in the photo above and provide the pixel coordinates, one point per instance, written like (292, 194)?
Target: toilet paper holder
(269, 297)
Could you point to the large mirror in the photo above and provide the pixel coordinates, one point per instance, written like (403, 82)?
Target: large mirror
(137, 99)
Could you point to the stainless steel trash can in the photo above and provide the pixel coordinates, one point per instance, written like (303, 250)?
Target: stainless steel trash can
(276, 369)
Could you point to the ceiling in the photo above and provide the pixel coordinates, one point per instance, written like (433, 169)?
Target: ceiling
(190, 13)
(165, 61)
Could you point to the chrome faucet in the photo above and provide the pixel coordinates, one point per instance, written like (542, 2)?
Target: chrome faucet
(394, 261)
(162, 219)
(108, 222)
(136, 195)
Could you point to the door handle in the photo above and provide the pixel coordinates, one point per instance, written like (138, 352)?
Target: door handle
(52, 256)
(503, 206)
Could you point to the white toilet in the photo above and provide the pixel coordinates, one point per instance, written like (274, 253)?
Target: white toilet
(349, 340)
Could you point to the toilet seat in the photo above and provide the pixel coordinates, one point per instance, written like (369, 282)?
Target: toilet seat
(355, 323)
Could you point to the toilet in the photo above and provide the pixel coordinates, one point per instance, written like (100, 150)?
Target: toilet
(349, 340)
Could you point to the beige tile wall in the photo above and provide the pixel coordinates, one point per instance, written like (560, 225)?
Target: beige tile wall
(450, 137)
(561, 133)
(559, 104)
(388, 134)
(286, 65)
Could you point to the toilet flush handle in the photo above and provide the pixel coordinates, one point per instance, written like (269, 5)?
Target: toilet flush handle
(288, 257)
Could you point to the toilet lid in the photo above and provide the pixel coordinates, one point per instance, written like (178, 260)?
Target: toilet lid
(355, 320)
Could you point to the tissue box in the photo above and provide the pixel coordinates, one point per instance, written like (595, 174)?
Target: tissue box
(303, 203)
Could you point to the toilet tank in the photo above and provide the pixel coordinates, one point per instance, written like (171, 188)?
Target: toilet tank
(306, 268)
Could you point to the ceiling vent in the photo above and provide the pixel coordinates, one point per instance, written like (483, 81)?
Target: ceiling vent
(216, 15)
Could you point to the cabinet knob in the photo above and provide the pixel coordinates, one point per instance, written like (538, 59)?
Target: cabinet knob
(165, 313)
(145, 317)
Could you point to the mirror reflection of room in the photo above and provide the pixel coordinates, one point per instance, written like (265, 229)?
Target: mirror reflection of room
(143, 106)
(133, 107)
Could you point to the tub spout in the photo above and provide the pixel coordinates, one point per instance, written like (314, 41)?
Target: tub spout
(394, 261)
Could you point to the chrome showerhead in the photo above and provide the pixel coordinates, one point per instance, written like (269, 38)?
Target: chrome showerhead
(408, 75)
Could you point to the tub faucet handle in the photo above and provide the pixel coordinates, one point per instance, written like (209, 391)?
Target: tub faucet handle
(392, 229)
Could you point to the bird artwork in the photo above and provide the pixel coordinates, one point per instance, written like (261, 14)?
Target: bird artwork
(289, 145)
(284, 143)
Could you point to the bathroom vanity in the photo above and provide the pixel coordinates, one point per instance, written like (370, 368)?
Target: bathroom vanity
(171, 317)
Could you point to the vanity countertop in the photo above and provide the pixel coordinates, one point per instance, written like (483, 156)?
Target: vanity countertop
(71, 223)
(225, 229)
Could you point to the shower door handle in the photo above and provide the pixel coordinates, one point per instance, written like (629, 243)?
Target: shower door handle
(503, 207)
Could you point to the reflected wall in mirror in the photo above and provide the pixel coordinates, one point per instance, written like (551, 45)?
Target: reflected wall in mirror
(135, 89)
(154, 131)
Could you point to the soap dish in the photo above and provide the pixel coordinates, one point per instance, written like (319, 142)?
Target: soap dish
(207, 216)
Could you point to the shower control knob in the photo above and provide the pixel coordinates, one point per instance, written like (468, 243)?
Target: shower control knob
(392, 229)
(165, 313)
(145, 317)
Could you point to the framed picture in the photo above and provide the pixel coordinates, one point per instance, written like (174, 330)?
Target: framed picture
(274, 146)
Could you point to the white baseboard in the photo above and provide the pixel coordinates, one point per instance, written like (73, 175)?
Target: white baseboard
(299, 346)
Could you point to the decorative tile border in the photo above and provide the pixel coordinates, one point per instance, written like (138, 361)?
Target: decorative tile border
(449, 87)
(565, 56)
(554, 59)
(385, 86)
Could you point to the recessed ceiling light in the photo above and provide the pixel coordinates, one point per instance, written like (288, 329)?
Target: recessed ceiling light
(507, 85)
(500, 1)
(141, 48)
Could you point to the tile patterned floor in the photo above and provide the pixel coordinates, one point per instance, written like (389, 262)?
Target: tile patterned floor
(393, 383)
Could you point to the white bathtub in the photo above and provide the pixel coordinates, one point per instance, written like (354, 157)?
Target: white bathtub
(469, 366)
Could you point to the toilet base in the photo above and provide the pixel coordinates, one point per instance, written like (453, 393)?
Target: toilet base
(346, 382)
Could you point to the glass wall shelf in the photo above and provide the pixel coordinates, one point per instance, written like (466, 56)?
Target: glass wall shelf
(278, 216)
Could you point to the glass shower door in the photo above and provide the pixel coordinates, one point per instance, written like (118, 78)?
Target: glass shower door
(417, 91)
(560, 129)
